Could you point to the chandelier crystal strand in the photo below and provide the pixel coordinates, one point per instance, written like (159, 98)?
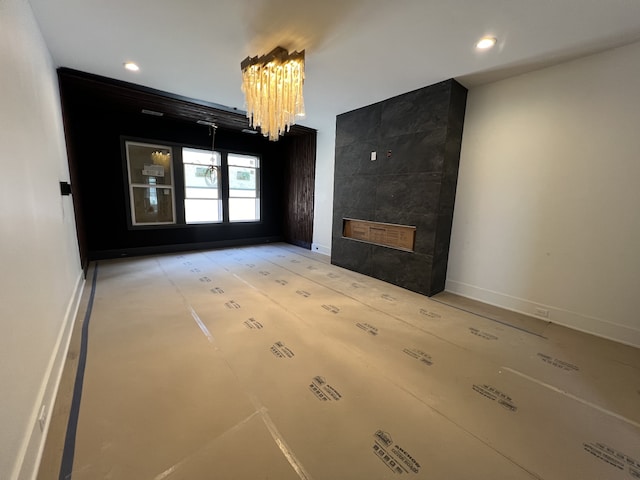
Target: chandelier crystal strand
(272, 85)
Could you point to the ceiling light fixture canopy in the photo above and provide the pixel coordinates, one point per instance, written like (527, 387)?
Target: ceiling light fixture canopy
(272, 85)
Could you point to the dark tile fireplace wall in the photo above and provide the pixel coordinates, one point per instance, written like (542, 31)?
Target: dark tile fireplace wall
(417, 138)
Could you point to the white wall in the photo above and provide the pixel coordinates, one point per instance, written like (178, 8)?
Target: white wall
(41, 274)
(547, 210)
(323, 195)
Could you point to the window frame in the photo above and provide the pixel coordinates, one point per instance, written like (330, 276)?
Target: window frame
(219, 199)
(132, 217)
(257, 190)
(179, 185)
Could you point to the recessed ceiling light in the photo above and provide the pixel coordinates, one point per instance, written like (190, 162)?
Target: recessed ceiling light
(131, 66)
(486, 42)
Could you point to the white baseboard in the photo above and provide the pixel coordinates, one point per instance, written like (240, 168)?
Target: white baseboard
(576, 321)
(316, 247)
(27, 466)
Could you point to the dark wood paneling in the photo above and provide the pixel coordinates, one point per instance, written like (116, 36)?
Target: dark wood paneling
(299, 188)
(99, 113)
(96, 91)
(78, 209)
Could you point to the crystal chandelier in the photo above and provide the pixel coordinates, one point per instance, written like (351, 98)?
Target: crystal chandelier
(161, 158)
(272, 85)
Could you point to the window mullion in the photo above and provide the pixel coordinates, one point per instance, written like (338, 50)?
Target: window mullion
(224, 170)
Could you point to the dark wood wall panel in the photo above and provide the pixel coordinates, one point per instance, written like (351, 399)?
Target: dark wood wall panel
(299, 188)
(100, 113)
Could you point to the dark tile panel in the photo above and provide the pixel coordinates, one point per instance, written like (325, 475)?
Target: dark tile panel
(354, 193)
(447, 195)
(352, 255)
(455, 124)
(340, 215)
(414, 185)
(355, 159)
(421, 152)
(408, 270)
(336, 224)
(426, 227)
(414, 193)
(423, 110)
(443, 235)
(438, 276)
(362, 125)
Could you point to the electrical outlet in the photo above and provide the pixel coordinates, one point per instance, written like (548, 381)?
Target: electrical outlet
(541, 312)
(42, 417)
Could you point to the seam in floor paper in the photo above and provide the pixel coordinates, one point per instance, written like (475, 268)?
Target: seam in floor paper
(323, 285)
(390, 315)
(515, 372)
(174, 468)
(202, 326)
(573, 397)
(266, 419)
(506, 324)
(277, 437)
(190, 308)
(401, 387)
(441, 414)
(230, 267)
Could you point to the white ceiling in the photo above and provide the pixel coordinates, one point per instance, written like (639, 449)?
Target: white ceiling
(357, 51)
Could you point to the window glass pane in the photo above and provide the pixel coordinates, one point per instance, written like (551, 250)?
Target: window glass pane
(202, 211)
(149, 164)
(202, 186)
(244, 209)
(200, 157)
(243, 160)
(150, 178)
(200, 192)
(244, 186)
(242, 193)
(241, 178)
(205, 176)
(152, 205)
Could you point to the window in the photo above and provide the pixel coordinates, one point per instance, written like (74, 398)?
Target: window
(202, 199)
(150, 175)
(212, 187)
(244, 198)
